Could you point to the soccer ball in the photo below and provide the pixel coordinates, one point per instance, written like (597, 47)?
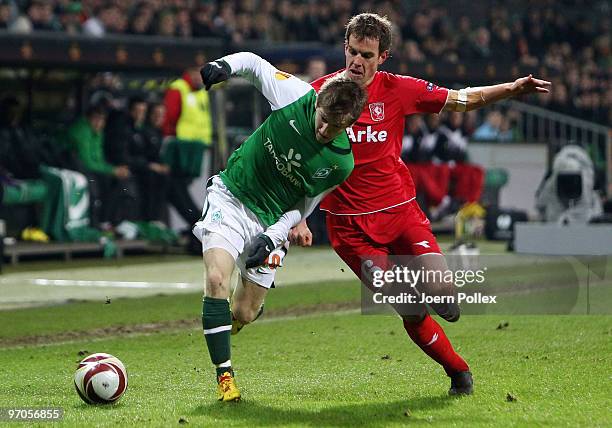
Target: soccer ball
(100, 379)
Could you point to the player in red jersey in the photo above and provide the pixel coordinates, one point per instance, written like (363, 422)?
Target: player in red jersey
(374, 212)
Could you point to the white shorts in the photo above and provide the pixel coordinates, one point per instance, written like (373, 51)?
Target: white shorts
(228, 224)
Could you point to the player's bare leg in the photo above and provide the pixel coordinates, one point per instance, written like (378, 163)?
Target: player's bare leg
(217, 321)
(247, 304)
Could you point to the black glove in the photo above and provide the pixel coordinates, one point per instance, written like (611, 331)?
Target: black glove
(215, 72)
(260, 250)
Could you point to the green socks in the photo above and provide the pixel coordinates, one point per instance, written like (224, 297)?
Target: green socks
(217, 325)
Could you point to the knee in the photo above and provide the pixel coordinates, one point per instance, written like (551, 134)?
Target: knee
(214, 283)
(244, 314)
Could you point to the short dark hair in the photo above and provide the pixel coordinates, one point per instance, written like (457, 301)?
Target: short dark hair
(341, 97)
(370, 26)
(95, 110)
(136, 99)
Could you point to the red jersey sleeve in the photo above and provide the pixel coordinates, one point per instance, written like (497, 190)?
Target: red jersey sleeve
(172, 101)
(418, 95)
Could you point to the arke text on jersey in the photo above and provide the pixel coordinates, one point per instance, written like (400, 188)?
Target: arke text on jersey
(368, 135)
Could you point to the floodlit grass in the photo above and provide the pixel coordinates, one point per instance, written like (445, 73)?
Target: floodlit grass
(83, 316)
(329, 370)
(299, 366)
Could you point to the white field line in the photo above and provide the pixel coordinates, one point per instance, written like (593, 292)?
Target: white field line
(111, 284)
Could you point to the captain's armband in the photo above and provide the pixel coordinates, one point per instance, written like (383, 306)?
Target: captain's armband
(464, 99)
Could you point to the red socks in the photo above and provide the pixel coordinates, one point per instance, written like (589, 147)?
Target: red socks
(430, 337)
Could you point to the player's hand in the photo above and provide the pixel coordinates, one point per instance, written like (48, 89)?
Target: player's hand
(259, 251)
(215, 72)
(159, 168)
(121, 172)
(300, 235)
(529, 85)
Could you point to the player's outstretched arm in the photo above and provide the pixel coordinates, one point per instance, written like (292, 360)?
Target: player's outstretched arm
(279, 88)
(474, 98)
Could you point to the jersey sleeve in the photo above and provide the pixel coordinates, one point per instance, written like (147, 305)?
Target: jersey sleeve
(279, 88)
(279, 231)
(419, 96)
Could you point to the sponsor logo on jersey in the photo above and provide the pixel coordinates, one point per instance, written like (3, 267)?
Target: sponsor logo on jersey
(424, 244)
(369, 135)
(322, 173)
(279, 75)
(377, 111)
(292, 159)
(285, 163)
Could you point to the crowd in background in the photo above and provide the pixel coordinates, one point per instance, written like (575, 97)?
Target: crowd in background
(435, 149)
(116, 146)
(566, 41)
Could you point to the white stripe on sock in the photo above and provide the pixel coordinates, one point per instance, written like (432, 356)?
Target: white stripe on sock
(228, 363)
(217, 329)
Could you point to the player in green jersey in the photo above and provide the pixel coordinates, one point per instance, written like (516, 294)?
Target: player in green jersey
(272, 182)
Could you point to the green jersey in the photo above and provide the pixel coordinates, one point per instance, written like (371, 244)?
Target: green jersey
(282, 163)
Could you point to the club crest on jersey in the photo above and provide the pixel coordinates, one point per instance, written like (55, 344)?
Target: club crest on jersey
(430, 86)
(377, 111)
(322, 173)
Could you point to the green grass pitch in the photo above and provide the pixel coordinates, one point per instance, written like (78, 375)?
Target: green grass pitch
(313, 360)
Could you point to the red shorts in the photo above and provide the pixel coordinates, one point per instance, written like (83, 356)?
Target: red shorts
(403, 230)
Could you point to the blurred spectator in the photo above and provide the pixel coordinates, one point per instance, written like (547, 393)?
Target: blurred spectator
(142, 21)
(106, 181)
(188, 115)
(189, 120)
(203, 25)
(466, 179)
(489, 130)
(244, 29)
(183, 23)
(19, 151)
(142, 155)
(7, 12)
(412, 53)
(166, 23)
(41, 16)
(19, 166)
(225, 21)
(479, 47)
(70, 18)
(107, 19)
(507, 131)
(315, 68)
(431, 177)
(178, 193)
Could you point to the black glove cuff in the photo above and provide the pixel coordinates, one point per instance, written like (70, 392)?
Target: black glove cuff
(268, 241)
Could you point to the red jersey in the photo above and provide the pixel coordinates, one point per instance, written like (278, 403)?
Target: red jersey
(380, 179)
